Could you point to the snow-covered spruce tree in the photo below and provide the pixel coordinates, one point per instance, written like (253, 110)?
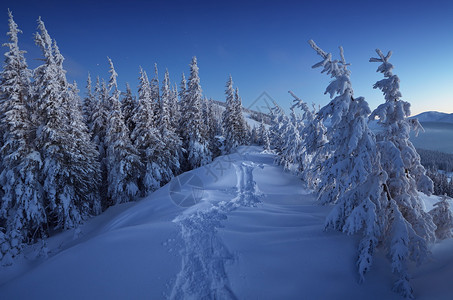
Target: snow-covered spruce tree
(234, 125)
(345, 124)
(291, 144)
(285, 127)
(312, 134)
(155, 94)
(258, 136)
(100, 117)
(82, 163)
(98, 133)
(123, 162)
(89, 103)
(182, 104)
(98, 121)
(147, 139)
(212, 127)
(413, 228)
(351, 177)
(22, 214)
(172, 151)
(254, 135)
(128, 105)
(278, 119)
(65, 206)
(228, 118)
(84, 160)
(298, 153)
(196, 145)
(204, 118)
(164, 109)
(175, 111)
(263, 137)
(241, 127)
(16, 75)
(443, 218)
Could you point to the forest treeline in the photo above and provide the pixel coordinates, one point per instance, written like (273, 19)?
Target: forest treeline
(65, 157)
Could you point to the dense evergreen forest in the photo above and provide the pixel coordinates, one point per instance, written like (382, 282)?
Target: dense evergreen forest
(66, 157)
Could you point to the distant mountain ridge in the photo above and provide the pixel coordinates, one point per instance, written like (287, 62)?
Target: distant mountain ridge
(437, 134)
(434, 116)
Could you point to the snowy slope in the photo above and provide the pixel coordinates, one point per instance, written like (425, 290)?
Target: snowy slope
(239, 240)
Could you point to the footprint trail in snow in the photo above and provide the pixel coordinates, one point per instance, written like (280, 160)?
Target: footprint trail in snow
(203, 275)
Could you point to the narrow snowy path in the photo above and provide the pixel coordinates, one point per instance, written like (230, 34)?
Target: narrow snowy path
(204, 255)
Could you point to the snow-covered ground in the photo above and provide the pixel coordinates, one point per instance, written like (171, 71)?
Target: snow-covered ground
(229, 239)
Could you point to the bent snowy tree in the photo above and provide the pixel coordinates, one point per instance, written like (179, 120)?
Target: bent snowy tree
(351, 178)
(409, 227)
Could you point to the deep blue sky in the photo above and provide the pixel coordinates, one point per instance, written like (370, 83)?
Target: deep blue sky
(262, 44)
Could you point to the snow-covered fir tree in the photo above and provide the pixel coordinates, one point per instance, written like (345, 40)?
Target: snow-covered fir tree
(312, 152)
(443, 218)
(173, 152)
(100, 117)
(123, 161)
(89, 103)
(241, 127)
(98, 132)
(204, 117)
(164, 109)
(278, 119)
(195, 143)
(234, 125)
(65, 206)
(182, 104)
(83, 166)
(254, 139)
(346, 127)
(175, 110)
(352, 177)
(285, 130)
(147, 139)
(290, 151)
(213, 127)
(84, 160)
(128, 105)
(22, 214)
(410, 227)
(155, 92)
(15, 75)
(228, 118)
(263, 136)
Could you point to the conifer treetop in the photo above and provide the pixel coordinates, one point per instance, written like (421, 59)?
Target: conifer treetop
(391, 84)
(113, 75)
(13, 32)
